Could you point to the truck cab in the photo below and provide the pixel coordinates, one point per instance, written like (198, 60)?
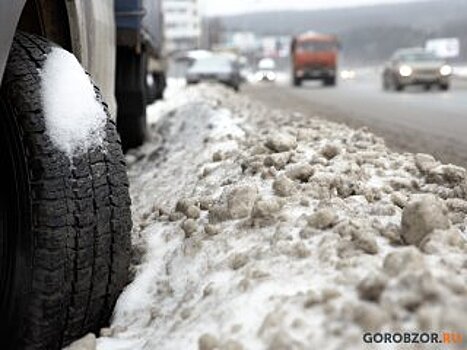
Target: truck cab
(314, 57)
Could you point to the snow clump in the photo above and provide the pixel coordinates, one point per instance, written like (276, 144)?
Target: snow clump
(74, 118)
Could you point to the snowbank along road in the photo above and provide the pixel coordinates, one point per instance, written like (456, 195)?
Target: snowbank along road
(261, 229)
(413, 120)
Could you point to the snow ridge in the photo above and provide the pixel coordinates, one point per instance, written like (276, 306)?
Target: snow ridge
(261, 229)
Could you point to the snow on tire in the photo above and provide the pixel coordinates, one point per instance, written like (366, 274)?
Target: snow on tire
(65, 216)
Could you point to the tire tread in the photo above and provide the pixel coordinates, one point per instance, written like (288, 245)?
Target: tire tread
(81, 250)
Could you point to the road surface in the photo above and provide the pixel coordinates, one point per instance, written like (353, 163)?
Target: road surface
(414, 120)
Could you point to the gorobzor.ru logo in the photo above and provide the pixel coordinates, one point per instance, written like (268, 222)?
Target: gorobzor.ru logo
(414, 338)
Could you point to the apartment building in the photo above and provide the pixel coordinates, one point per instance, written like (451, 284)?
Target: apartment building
(182, 24)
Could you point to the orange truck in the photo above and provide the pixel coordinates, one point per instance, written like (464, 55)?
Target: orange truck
(314, 57)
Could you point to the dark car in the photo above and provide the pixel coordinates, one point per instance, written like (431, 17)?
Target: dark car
(416, 67)
(217, 68)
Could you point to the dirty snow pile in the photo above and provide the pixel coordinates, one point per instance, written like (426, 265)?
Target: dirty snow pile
(261, 229)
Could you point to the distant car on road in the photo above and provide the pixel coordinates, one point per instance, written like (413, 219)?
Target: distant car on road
(416, 67)
(266, 70)
(217, 68)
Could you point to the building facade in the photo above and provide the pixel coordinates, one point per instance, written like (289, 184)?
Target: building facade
(182, 25)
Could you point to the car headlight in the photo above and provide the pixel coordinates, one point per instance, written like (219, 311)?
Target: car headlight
(405, 71)
(348, 74)
(259, 76)
(446, 70)
(271, 75)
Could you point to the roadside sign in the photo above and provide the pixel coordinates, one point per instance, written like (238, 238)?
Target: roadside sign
(444, 47)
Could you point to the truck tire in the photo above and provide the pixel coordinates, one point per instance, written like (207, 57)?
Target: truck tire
(161, 80)
(155, 87)
(331, 81)
(297, 82)
(444, 87)
(64, 221)
(160, 84)
(131, 97)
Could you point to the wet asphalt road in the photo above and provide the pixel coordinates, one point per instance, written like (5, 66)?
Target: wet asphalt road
(413, 120)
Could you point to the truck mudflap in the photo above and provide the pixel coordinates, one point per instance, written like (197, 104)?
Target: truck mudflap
(139, 22)
(99, 16)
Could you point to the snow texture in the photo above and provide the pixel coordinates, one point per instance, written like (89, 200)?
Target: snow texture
(250, 239)
(75, 119)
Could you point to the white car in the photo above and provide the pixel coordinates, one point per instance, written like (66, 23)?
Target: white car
(266, 70)
(216, 68)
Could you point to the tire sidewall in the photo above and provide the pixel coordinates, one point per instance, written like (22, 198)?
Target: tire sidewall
(20, 242)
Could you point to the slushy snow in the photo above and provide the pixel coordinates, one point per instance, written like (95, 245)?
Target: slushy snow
(75, 119)
(261, 229)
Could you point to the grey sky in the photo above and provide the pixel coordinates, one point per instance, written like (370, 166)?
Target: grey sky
(227, 7)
